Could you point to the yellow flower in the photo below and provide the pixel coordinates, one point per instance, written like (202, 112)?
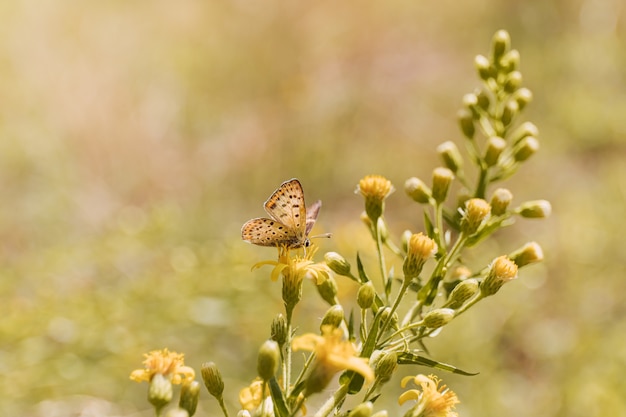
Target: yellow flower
(332, 354)
(375, 188)
(252, 396)
(432, 400)
(297, 267)
(166, 363)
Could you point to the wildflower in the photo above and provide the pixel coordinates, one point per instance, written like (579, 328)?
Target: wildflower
(500, 200)
(332, 354)
(279, 330)
(442, 178)
(366, 294)
(384, 364)
(495, 147)
(419, 249)
(334, 317)
(501, 271)
(527, 254)
(536, 209)
(462, 292)
(267, 362)
(166, 363)
(417, 190)
(251, 396)
(189, 394)
(432, 400)
(294, 270)
(451, 156)
(476, 212)
(337, 263)
(375, 189)
(438, 318)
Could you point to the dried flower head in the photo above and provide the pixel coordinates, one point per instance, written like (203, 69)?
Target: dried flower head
(420, 248)
(501, 271)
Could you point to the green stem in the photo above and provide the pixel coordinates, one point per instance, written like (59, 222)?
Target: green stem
(405, 286)
(381, 256)
(288, 352)
(332, 402)
(223, 406)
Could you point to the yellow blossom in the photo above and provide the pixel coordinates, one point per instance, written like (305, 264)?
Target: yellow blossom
(251, 397)
(166, 363)
(432, 401)
(297, 267)
(375, 189)
(332, 354)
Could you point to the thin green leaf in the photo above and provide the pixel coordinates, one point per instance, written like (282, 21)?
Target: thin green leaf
(280, 407)
(408, 358)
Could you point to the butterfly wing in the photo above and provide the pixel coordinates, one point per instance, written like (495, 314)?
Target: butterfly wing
(311, 216)
(269, 232)
(286, 206)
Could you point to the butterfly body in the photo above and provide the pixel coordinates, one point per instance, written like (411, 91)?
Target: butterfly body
(289, 223)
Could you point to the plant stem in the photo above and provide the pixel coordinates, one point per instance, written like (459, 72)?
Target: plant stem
(332, 402)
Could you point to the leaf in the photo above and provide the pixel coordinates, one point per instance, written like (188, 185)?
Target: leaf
(408, 358)
(280, 407)
(428, 226)
(362, 275)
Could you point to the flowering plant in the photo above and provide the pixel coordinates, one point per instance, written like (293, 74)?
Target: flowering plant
(397, 313)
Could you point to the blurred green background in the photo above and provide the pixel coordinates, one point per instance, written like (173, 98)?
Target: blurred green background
(136, 138)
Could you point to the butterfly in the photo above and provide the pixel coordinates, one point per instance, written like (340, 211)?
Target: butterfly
(290, 221)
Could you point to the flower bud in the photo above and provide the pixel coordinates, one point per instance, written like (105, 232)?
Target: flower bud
(522, 96)
(500, 201)
(189, 393)
(384, 316)
(160, 391)
(536, 209)
(267, 361)
(475, 213)
(417, 190)
(513, 82)
(524, 130)
(337, 263)
(510, 61)
(509, 112)
(366, 295)
(500, 44)
(525, 148)
(385, 365)
(279, 330)
(462, 292)
(495, 146)
(501, 271)
(470, 102)
(483, 66)
(362, 410)
(420, 249)
(442, 178)
(212, 379)
(527, 254)
(381, 413)
(327, 289)
(451, 156)
(483, 100)
(438, 318)
(466, 122)
(375, 189)
(333, 317)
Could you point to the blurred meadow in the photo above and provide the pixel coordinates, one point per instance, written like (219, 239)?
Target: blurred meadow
(137, 137)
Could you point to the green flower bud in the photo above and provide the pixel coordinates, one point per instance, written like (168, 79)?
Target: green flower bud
(362, 410)
(522, 96)
(462, 292)
(160, 391)
(501, 271)
(536, 209)
(438, 318)
(212, 379)
(279, 330)
(495, 146)
(442, 178)
(466, 122)
(189, 394)
(500, 44)
(417, 190)
(525, 148)
(527, 254)
(513, 81)
(509, 112)
(267, 361)
(475, 214)
(333, 317)
(451, 156)
(484, 68)
(470, 102)
(337, 263)
(510, 61)
(500, 201)
(524, 130)
(327, 289)
(366, 295)
(483, 100)
(385, 365)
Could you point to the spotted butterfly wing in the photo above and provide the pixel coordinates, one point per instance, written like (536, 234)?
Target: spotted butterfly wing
(289, 224)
